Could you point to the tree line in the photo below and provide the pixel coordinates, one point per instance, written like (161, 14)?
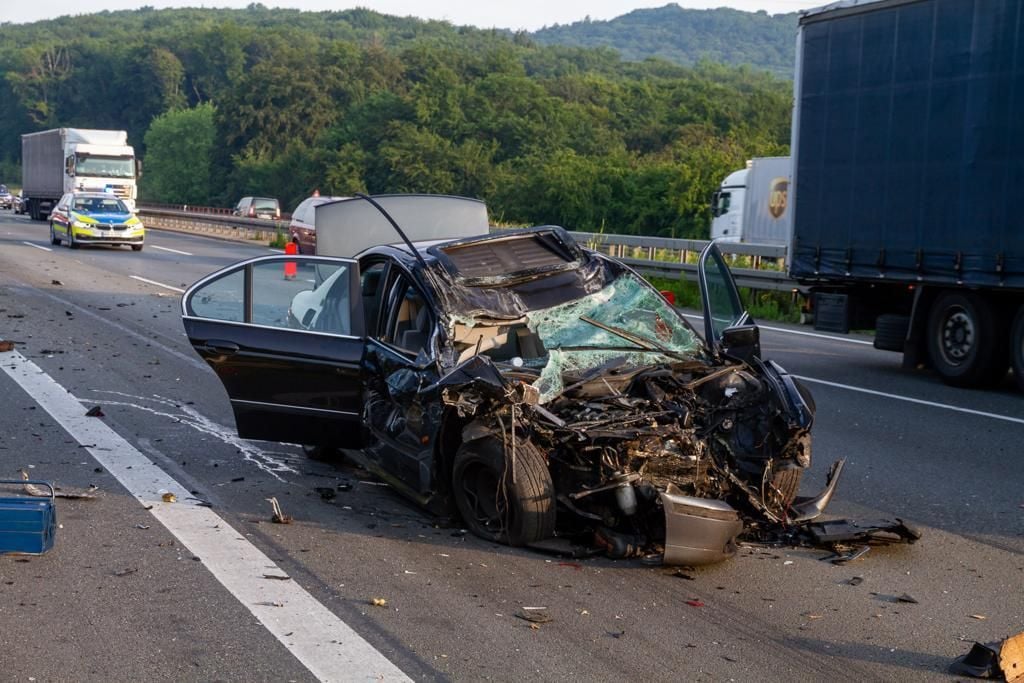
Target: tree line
(225, 103)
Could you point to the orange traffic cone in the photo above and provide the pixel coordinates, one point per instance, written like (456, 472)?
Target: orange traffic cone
(289, 266)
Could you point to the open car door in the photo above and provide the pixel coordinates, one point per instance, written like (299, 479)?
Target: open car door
(285, 336)
(728, 328)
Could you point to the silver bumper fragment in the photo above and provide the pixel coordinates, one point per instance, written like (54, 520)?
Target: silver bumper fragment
(698, 530)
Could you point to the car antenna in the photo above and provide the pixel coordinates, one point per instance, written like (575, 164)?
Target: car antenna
(414, 250)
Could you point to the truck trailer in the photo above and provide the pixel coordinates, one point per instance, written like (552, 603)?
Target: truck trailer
(55, 162)
(908, 148)
(751, 205)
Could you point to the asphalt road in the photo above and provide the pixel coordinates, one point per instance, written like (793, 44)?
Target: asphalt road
(123, 597)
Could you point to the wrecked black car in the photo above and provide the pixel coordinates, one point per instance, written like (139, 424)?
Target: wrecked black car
(537, 388)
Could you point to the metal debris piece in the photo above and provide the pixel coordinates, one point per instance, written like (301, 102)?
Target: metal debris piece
(534, 616)
(95, 411)
(169, 497)
(278, 517)
(76, 494)
(326, 492)
(277, 577)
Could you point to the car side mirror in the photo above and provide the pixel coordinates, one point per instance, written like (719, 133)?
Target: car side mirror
(742, 342)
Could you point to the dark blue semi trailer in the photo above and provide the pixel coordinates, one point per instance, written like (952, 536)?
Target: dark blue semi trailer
(908, 187)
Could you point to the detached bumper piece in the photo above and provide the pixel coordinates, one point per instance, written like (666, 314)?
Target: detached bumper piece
(27, 525)
(699, 530)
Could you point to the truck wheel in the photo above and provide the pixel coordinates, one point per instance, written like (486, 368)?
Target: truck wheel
(54, 240)
(494, 506)
(1017, 347)
(891, 332)
(965, 344)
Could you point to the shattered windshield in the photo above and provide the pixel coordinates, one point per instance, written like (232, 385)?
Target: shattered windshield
(626, 305)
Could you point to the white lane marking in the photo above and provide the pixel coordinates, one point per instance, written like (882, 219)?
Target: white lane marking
(173, 251)
(179, 290)
(322, 642)
(799, 332)
(37, 246)
(897, 397)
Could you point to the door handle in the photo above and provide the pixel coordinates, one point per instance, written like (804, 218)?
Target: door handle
(225, 347)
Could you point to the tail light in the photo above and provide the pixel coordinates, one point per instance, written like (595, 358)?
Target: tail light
(252, 211)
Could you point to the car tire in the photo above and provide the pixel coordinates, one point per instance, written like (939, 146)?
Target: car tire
(136, 247)
(495, 507)
(72, 244)
(965, 343)
(1017, 347)
(891, 332)
(785, 487)
(54, 240)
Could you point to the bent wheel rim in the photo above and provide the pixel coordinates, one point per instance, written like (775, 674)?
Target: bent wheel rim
(480, 493)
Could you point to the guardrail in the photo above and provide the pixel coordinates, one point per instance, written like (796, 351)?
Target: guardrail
(652, 256)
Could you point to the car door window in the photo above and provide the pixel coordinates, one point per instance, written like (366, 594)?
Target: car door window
(313, 295)
(409, 320)
(372, 286)
(222, 299)
(722, 305)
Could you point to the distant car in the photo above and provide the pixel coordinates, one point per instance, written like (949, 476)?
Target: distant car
(18, 203)
(258, 207)
(302, 229)
(95, 218)
(6, 200)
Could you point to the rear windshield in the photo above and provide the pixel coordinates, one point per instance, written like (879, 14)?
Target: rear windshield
(264, 203)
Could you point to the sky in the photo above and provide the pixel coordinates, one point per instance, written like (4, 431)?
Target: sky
(515, 14)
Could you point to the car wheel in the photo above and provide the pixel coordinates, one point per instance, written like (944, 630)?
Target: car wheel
(71, 239)
(785, 486)
(54, 240)
(497, 506)
(1017, 347)
(136, 247)
(965, 344)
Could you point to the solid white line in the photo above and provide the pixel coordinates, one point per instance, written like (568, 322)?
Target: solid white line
(897, 397)
(173, 251)
(799, 332)
(321, 641)
(179, 290)
(37, 246)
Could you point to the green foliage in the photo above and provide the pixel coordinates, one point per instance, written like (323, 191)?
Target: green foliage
(687, 36)
(180, 144)
(358, 101)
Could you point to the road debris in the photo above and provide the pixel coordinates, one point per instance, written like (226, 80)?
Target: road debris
(6, 345)
(906, 597)
(58, 492)
(142, 526)
(379, 602)
(277, 577)
(126, 571)
(856, 581)
(1003, 660)
(57, 282)
(169, 497)
(979, 617)
(694, 602)
(326, 492)
(534, 615)
(278, 517)
(95, 411)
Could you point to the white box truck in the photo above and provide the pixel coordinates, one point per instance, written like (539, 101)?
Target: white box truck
(751, 205)
(55, 162)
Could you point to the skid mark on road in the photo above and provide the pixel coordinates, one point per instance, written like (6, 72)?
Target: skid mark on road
(189, 416)
(322, 642)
